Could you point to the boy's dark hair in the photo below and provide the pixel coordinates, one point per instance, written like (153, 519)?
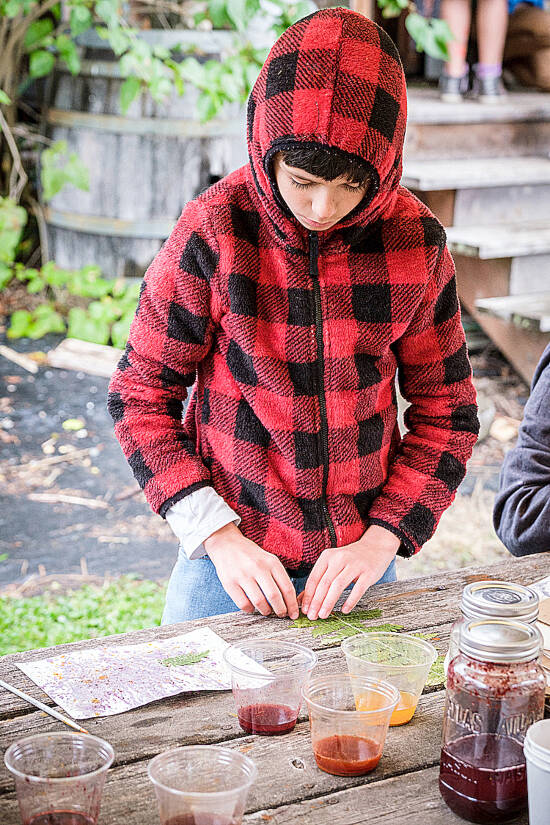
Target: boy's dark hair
(327, 163)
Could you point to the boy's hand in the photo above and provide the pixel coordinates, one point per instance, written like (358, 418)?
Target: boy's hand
(252, 577)
(363, 562)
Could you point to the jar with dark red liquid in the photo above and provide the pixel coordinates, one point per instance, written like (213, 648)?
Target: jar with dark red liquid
(495, 690)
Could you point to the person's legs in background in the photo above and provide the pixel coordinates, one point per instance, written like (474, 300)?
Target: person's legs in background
(491, 28)
(453, 83)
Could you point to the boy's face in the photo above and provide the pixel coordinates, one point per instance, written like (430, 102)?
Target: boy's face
(318, 204)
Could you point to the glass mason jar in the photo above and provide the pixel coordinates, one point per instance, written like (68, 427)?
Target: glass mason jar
(493, 600)
(495, 690)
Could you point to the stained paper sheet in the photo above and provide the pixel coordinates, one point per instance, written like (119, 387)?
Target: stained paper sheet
(108, 679)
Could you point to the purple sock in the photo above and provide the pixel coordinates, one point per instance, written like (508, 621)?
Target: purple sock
(486, 71)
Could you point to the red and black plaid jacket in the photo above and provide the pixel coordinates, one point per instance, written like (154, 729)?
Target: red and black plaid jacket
(291, 339)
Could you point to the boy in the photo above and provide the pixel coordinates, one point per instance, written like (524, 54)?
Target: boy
(287, 296)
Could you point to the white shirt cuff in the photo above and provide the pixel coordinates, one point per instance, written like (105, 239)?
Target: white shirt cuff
(195, 517)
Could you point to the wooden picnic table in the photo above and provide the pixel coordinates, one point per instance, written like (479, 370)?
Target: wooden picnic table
(290, 788)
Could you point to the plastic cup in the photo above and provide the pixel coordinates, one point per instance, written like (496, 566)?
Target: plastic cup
(399, 658)
(537, 758)
(59, 777)
(266, 679)
(201, 785)
(348, 740)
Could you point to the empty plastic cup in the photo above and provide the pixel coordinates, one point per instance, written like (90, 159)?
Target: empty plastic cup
(266, 679)
(537, 757)
(348, 740)
(201, 785)
(59, 777)
(399, 658)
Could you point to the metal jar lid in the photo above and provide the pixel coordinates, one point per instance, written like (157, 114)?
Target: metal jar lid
(499, 600)
(500, 641)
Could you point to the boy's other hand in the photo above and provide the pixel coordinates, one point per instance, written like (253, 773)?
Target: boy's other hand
(252, 577)
(363, 562)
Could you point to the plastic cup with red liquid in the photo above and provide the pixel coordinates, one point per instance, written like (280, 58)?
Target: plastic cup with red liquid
(267, 678)
(402, 659)
(347, 740)
(201, 785)
(59, 777)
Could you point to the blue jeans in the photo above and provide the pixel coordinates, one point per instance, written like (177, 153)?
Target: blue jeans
(195, 591)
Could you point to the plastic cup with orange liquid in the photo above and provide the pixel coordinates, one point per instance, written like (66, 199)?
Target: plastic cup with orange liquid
(401, 659)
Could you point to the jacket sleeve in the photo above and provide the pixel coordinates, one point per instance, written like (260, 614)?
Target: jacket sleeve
(172, 332)
(522, 506)
(435, 378)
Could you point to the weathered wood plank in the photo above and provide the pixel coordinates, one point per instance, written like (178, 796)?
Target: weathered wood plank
(500, 240)
(426, 107)
(473, 173)
(412, 799)
(419, 604)
(483, 279)
(464, 140)
(286, 766)
(409, 799)
(533, 309)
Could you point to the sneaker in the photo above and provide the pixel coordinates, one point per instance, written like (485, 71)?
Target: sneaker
(489, 89)
(452, 89)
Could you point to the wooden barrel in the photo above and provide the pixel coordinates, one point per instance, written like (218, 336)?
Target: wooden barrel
(144, 166)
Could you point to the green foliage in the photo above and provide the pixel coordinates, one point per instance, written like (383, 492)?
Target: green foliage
(103, 309)
(57, 170)
(12, 222)
(436, 676)
(4, 98)
(92, 612)
(430, 35)
(184, 659)
(337, 627)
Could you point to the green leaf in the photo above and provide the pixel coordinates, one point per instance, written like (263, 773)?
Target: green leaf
(57, 170)
(184, 659)
(340, 626)
(73, 424)
(4, 99)
(121, 330)
(85, 328)
(68, 53)
(217, 12)
(207, 107)
(41, 63)
(12, 222)
(108, 11)
(6, 274)
(19, 323)
(80, 19)
(35, 285)
(37, 31)
(128, 92)
(436, 676)
(192, 71)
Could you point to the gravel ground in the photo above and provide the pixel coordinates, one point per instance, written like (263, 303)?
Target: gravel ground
(76, 509)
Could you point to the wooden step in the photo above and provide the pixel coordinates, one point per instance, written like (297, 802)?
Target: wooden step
(518, 126)
(530, 311)
(501, 241)
(473, 191)
(475, 173)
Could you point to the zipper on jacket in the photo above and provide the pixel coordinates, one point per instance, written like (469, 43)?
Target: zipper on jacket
(314, 273)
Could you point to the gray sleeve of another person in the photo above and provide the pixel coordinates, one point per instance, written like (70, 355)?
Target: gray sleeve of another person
(522, 507)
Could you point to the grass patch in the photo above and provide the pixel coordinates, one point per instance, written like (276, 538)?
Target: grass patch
(118, 606)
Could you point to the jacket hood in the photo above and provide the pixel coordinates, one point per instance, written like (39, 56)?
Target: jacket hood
(332, 79)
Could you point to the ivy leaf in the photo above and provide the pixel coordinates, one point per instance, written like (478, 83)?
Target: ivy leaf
(37, 31)
(184, 659)
(19, 323)
(80, 19)
(128, 92)
(41, 63)
(68, 53)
